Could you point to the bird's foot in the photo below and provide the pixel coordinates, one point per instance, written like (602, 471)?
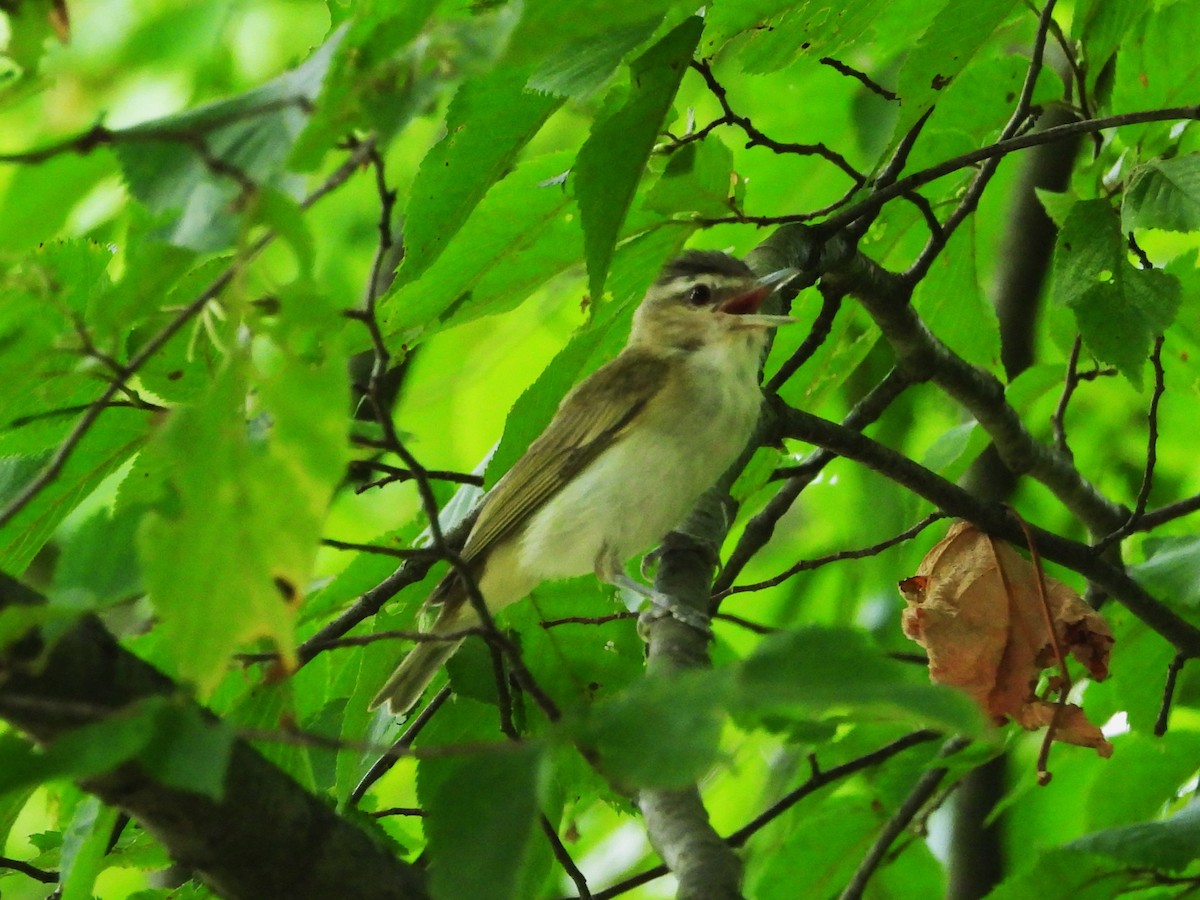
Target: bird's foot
(663, 607)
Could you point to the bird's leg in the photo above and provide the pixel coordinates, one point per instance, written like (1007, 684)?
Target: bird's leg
(610, 571)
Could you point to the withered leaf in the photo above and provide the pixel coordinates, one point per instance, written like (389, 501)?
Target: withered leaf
(974, 606)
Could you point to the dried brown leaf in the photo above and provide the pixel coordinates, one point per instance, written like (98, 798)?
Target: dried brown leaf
(974, 605)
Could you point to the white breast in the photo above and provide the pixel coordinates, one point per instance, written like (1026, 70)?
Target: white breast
(646, 483)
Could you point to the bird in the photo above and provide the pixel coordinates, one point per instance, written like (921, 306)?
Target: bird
(624, 459)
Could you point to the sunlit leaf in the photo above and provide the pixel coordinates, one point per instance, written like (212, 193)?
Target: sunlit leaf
(612, 161)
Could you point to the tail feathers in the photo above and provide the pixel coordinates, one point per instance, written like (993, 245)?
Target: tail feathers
(413, 675)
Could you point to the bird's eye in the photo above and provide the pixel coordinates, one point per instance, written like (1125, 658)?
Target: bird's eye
(700, 295)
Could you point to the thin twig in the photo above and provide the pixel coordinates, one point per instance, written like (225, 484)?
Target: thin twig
(807, 565)
(564, 859)
(970, 199)
(741, 622)
(761, 528)
(759, 139)
(1070, 383)
(395, 473)
(1060, 656)
(922, 791)
(868, 82)
(1169, 513)
(999, 149)
(588, 620)
(385, 762)
(1143, 497)
(1168, 698)
(398, 552)
(45, 876)
(397, 811)
(831, 302)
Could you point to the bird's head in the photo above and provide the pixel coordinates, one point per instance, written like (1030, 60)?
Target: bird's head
(705, 297)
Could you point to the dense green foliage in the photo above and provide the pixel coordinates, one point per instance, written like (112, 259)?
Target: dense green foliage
(201, 205)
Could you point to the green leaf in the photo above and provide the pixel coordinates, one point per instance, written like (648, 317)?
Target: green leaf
(521, 234)
(1164, 193)
(954, 307)
(1171, 843)
(1157, 65)
(188, 750)
(779, 31)
(168, 739)
(1172, 569)
(958, 31)
(480, 815)
(696, 180)
(687, 712)
(611, 162)
(490, 119)
(372, 84)
(1065, 874)
(250, 136)
(97, 565)
(1119, 309)
(1102, 27)
(822, 845)
(1151, 768)
(1057, 205)
(545, 30)
(11, 804)
(226, 555)
(265, 706)
(580, 67)
(821, 671)
(84, 844)
(110, 443)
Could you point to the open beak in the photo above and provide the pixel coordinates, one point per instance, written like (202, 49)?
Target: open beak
(745, 306)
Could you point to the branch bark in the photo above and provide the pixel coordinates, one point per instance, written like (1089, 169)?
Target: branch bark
(706, 867)
(267, 838)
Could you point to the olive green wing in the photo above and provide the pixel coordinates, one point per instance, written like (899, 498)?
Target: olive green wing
(594, 416)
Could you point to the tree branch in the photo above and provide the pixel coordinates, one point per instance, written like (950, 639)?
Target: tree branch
(266, 837)
(996, 520)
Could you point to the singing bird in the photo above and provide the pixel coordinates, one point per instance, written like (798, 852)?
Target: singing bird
(625, 458)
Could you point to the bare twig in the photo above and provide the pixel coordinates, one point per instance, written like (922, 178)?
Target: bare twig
(1070, 383)
(1143, 497)
(759, 139)
(762, 526)
(993, 151)
(588, 620)
(1060, 658)
(970, 199)
(45, 876)
(807, 565)
(1164, 710)
(385, 762)
(831, 302)
(869, 83)
(922, 791)
(398, 552)
(1168, 513)
(564, 859)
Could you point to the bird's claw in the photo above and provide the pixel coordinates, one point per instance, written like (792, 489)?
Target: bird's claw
(662, 607)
